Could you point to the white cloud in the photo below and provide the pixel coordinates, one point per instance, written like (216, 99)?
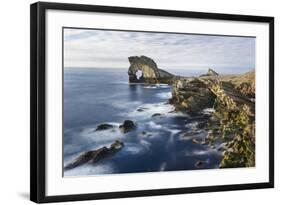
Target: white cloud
(111, 49)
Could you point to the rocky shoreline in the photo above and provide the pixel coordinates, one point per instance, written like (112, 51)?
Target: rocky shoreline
(231, 99)
(232, 120)
(223, 107)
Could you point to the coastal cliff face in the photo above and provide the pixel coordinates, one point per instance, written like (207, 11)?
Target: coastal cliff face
(227, 103)
(232, 99)
(193, 94)
(150, 73)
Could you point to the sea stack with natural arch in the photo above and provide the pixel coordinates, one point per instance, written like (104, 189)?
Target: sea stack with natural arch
(150, 73)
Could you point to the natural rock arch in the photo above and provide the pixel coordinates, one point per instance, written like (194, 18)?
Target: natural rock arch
(150, 71)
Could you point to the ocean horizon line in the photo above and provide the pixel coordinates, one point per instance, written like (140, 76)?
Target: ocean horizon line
(197, 70)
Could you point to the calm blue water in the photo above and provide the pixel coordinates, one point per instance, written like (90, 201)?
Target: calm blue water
(95, 96)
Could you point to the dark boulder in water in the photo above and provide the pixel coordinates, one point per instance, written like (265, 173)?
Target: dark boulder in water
(199, 164)
(95, 155)
(145, 134)
(197, 141)
(104, 127)
(141, 109)
(157, 115)
(127, 126)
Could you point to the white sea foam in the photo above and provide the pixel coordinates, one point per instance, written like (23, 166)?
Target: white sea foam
(153, 125)
(136, 148)
(150, 87)
(149, 109)
(202, 152)
(192, 125)
(208, 111)
(90, 169)
(199, 134)
(163, 166)
(126, 105)
(164, 95)
(145, 144)
(160, 86)
(133, 149)
(102, 135)
(173, 131)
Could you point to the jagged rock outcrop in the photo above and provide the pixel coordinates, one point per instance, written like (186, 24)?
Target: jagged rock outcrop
(95, 155)
(232, 98)
(150, 73)
(127, 126)
(191, 95)
(245, 83)
(211, 72)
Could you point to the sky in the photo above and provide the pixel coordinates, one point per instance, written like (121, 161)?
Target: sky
(111, 49)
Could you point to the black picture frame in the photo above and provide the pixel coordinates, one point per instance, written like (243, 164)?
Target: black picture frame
(38, 100)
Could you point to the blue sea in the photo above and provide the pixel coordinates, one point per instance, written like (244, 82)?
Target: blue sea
(94, 96)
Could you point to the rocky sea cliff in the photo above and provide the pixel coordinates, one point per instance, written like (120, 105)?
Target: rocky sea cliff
(215, 112)
(226, 103)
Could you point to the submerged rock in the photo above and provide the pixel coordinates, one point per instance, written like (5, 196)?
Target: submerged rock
(145, 134)
(116, 145)
(95, 155)
(197, 141)
(191, 133)
(104, 127)
(199, 164)
(127, 126)
(141, 109)
(202, 125)
(144, 70)
(157, 115)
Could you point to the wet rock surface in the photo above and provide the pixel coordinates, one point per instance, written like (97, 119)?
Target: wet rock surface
(199, 164)
(223, 108)
(127, 126)
(227, 102)
(191, 95)
(95, 155)
(104, 127)
(157, 115)
(232, 119)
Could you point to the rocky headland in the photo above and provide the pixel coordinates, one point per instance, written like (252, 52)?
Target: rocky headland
(225, 104)
(150, 73)
(223, 107)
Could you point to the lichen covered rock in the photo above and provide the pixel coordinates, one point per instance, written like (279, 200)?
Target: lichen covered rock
(191, 95)
(211, 72)
(233, 119)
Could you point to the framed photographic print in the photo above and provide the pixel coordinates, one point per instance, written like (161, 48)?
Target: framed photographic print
(129, 102)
